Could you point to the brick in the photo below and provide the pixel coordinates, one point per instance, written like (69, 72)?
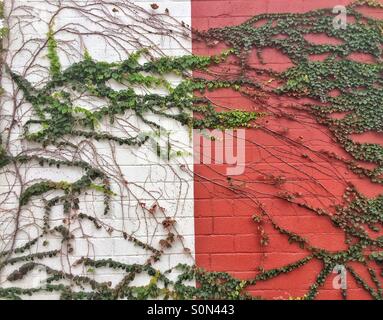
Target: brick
(202, 208)
(222, 207)
(203, 260)
(214, 244)
(246, 243)
(313, 224)
(234, 225)
(235, 262)
(203, 225)
(203, 190)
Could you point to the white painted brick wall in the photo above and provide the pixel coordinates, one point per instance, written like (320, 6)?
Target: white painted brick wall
(149, 179)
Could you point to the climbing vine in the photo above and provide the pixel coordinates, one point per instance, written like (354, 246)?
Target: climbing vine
(58, 121)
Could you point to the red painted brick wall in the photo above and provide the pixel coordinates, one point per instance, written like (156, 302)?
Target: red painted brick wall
(226, 237)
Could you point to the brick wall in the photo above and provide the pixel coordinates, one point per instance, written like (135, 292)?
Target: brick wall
(227, 239)
(147, 178)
